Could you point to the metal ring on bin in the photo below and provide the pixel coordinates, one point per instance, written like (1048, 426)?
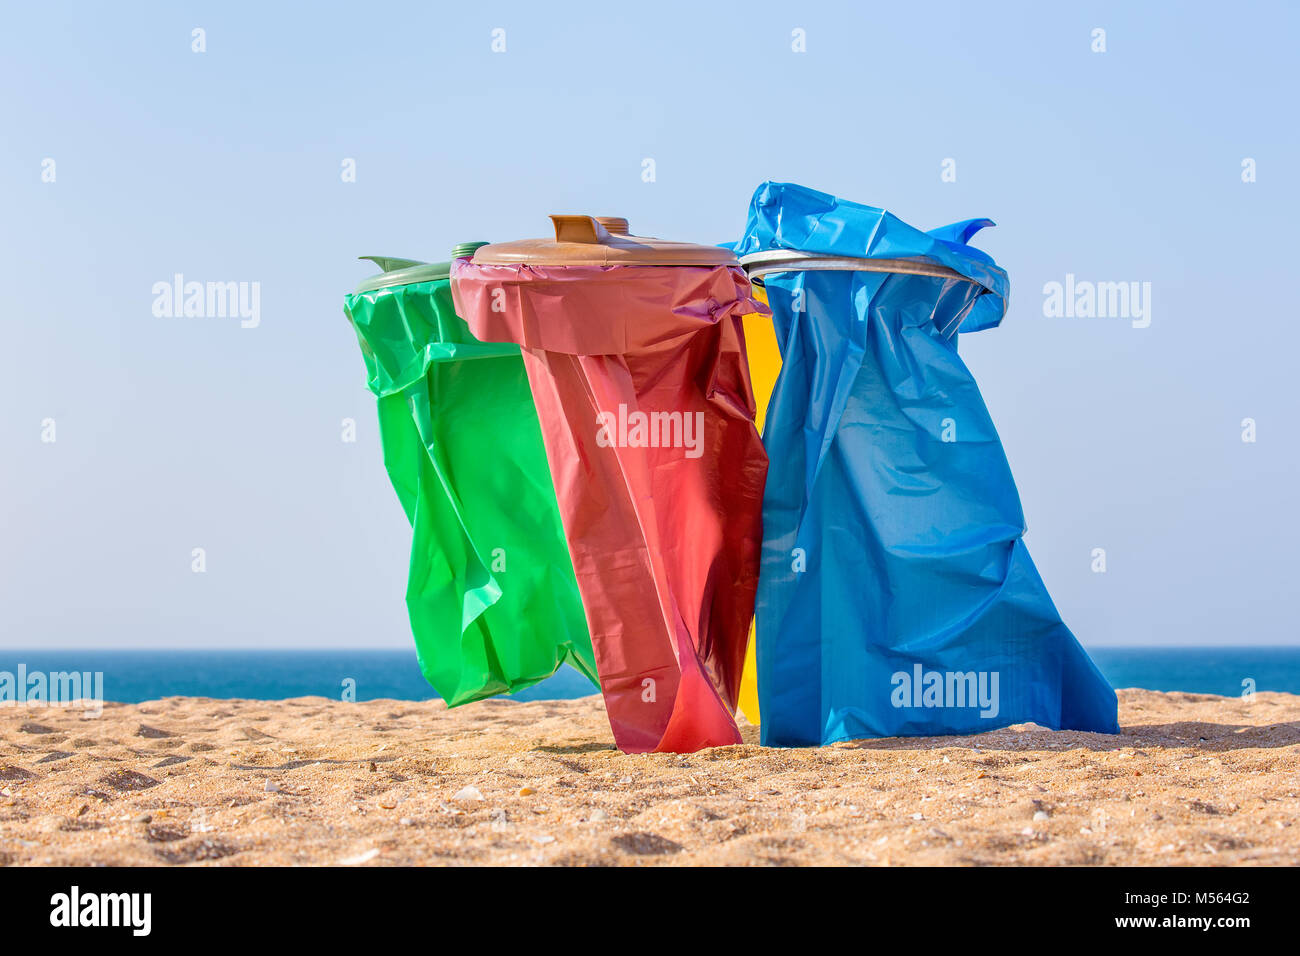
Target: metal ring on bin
(758, 264)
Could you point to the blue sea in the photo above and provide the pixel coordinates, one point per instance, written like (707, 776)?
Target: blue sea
(137, 675)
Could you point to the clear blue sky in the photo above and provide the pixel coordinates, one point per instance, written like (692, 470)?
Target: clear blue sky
(173, 434)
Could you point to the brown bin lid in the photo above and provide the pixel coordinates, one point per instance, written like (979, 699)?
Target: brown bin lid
(601, 241)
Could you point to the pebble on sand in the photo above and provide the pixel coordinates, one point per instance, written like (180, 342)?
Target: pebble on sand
(359, 858)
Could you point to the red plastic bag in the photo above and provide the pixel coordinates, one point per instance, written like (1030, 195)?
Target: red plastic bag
(642, 389)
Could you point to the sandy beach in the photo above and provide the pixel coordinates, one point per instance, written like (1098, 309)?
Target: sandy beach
(1193, 779)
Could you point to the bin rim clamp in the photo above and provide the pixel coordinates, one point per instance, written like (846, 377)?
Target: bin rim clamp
(758, 264)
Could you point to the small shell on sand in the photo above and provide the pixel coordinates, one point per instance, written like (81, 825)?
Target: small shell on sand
(359, 858)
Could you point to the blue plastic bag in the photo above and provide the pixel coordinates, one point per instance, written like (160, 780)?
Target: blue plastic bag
(896, 596)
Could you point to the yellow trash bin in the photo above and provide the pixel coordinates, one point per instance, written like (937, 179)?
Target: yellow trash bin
(764, 364)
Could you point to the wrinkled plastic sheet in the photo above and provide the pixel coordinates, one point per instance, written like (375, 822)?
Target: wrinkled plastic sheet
(896, 595)
(664, 539)
(491, 594)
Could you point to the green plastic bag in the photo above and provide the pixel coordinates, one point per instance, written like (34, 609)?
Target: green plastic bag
(492, 598)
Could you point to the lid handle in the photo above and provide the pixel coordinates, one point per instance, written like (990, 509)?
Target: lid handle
(392, 263)
(579, 229)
